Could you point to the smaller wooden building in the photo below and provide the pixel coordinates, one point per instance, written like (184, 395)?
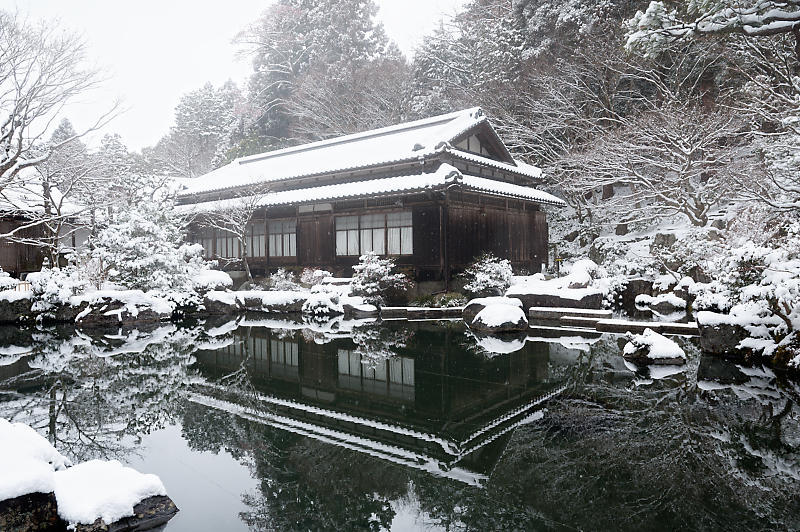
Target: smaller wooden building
(433, 194)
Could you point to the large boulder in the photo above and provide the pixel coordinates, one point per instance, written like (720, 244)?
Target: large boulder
(500, 318)
(32, 511)
(569, 298)
(633, 288)
(219, 303)
(721, 334)
(476, 305)
(663, 240)
(15, 307)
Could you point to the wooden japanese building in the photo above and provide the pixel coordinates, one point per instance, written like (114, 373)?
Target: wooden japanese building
(433, 194)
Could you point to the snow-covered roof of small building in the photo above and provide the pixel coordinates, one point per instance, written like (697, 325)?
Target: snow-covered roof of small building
(444, 176)
(395, 144)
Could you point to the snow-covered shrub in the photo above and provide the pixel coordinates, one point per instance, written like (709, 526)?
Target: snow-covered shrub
(322, 302)
(283, 279)
(448, 299)
(6, 281)
(487, 276)
(373, 278)
(144, 249)
(54, 287)
(312, 276)
(760, 286)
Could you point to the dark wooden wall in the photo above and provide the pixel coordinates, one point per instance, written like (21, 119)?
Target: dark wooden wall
(17, 258)
(472, 224)
(513, 233)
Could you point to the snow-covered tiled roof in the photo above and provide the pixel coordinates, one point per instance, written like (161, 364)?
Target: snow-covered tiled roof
(525, 169)
(444, 176)
(394, 144)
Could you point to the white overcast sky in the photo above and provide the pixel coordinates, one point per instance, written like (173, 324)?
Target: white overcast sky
(156, 50)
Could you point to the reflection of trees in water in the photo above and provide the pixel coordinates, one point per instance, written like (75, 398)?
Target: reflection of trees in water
(94, 393)
(304, 484)
(663, 456)
(377, 344)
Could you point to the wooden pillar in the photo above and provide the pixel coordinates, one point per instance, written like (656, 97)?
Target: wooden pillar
(444, 221)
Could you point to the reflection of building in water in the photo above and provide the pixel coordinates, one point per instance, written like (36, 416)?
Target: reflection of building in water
(435, 404)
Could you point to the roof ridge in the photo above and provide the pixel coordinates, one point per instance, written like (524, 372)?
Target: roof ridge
(474, 112)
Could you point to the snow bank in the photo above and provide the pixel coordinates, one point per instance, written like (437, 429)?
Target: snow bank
(582, 281)
(658, 346)
(27, 461)
(104, 490)
(10, 296)
(272, 298)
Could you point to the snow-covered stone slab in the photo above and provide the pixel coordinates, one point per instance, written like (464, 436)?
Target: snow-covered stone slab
(624, 326)
(388, 313)
(542, 295)
(556, 313)
(580, 321)
(687, 329)
(434, 313)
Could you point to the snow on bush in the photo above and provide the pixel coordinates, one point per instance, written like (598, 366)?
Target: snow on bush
(322, 302)
(6, 281)
(373, 278)
(759, 285)
(487, 276)
(55, 287)
(283, 279)
(209, 280)
(312, 276)
(144, 250)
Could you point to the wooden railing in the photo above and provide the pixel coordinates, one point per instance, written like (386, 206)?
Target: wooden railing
(23, 286)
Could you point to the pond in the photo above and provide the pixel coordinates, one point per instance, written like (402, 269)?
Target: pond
(277, 424)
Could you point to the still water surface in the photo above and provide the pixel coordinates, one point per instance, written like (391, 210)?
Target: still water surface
(279, 425)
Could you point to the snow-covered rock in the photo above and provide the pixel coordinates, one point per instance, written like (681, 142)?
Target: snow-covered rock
(104, 490)
(85, 493)
(652, 348)
(15, 306)
(663, 303)
(207, 280)
(497, 318)
(220, 303)
(476, 305)
(272, 301)
(112, 307)
(27, 461)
